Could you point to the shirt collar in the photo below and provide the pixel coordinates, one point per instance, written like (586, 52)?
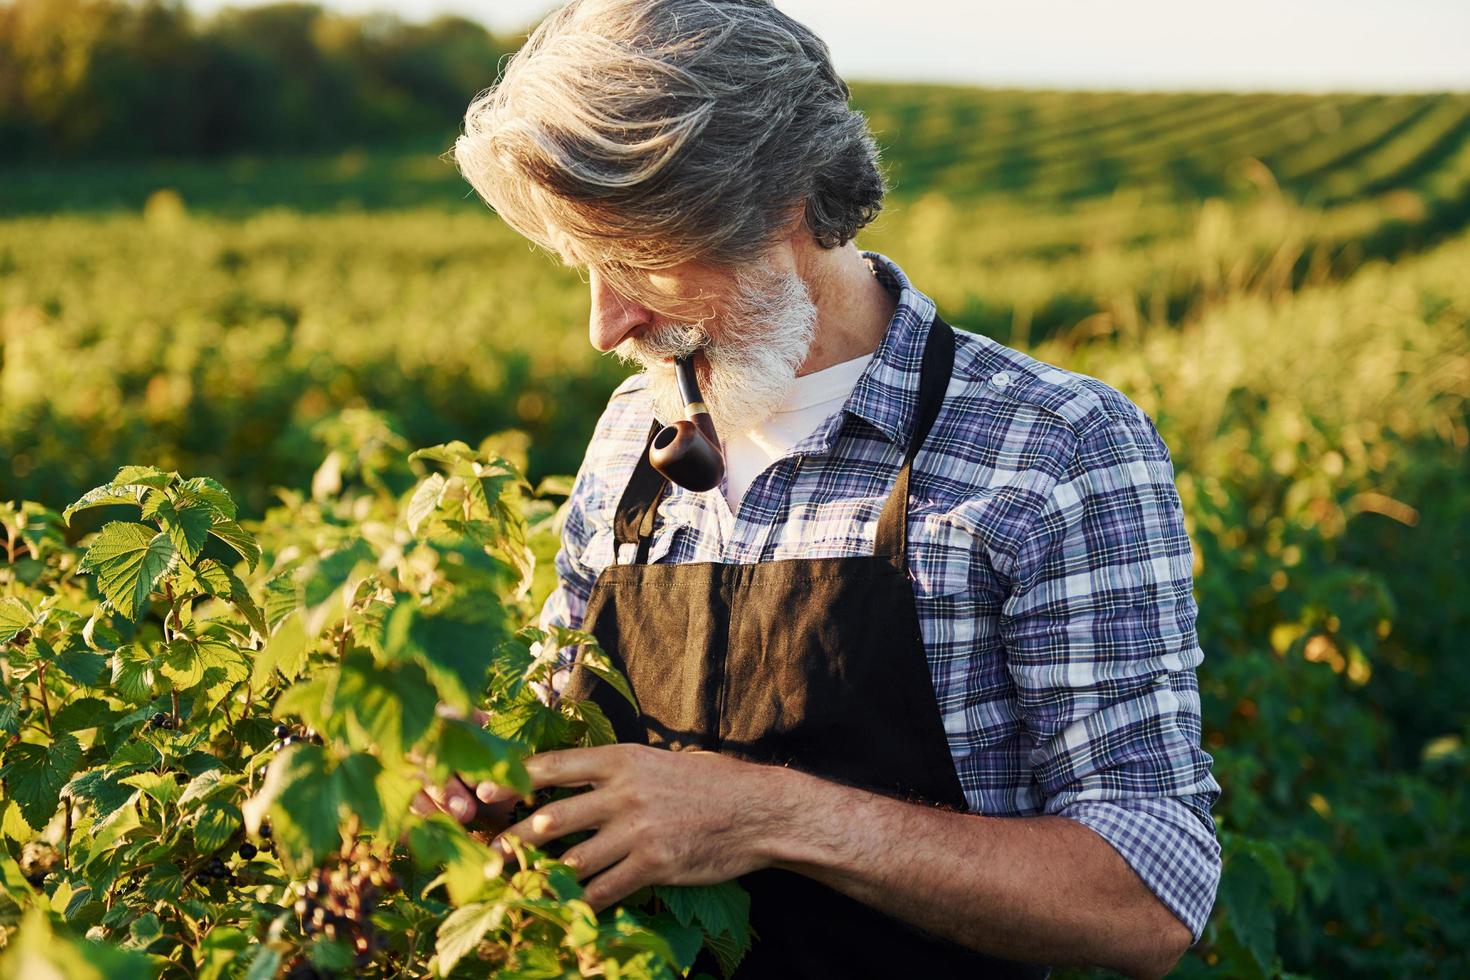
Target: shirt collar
(887, 393)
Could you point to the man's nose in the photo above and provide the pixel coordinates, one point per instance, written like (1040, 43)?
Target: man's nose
(613, 317)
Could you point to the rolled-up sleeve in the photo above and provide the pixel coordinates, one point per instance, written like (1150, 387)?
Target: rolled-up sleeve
(1099, 629)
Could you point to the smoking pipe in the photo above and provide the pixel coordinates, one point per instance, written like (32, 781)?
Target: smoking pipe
(688, 451)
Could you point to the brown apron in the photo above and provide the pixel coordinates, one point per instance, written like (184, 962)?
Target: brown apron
(813, 663)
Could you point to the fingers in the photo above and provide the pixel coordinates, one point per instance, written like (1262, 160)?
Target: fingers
(597, 853)
(495, 793)
(422, 805)
(615, 884)
(453, 798)
(581, 812)
(574, 767)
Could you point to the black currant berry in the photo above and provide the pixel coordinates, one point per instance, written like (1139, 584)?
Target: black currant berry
(158, 719)
(281, 731)
(265, 829)
(248, 851)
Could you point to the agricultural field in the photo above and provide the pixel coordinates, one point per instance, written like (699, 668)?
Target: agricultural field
(1282, 282)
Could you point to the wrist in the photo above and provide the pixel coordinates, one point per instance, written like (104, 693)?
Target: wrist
(794, 835)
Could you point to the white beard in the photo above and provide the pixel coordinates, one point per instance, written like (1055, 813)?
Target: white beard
(764, 337)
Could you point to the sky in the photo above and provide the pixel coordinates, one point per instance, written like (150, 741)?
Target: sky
(1244, 45)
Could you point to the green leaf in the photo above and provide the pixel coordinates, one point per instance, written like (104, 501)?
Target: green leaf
(209, 493)
(203, 786)
(241, 540)
(132, 674)
(469, 866)
(145, 931)
(453, 644)
(357, 787)
(532, 723)
(396, 790)
(331, 956)
(186, 525)
(477, 755)
(103, 787)
(425, 501)
(210, 578)
(165, 883)
(13, 824)
(112, 828)
(81, 714)
(265, 965)
(36, 953)
(722, 908)
(15, 615)
(303, 800)
(390, 708)
(34, 775)
(108, 495)
(614, 678)
(98, 635)
(239, 595)
(81, 664)
(129, 559)
(10, 706)
(599, 729)
(158, 786)
(221, 948)
(144, 476)
(285, 651)
(225, 665)
(283, 596)
(729, 950)
(450, 453)
(309, 700)
(463, 930)
(684, 940)
(217, 822)
(182, 665)
(12, 882)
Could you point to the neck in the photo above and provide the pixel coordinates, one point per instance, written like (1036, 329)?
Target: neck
(853, 308)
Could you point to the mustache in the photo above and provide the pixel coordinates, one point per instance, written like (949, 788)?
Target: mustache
(674, 341)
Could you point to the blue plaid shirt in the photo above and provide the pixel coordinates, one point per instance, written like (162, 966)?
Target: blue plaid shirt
(1050, 566)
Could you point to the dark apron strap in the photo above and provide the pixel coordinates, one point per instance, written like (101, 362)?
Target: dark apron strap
(634, 518)
(639, 502)
(893, 524)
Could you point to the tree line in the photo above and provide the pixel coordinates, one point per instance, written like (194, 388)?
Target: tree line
(128, 78)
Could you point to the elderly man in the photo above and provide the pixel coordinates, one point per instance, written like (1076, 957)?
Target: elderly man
(920, 671)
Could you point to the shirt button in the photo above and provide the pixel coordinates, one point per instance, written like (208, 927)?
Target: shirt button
(1000, 379)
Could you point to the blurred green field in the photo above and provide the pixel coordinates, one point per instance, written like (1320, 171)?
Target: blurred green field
(1281, 281)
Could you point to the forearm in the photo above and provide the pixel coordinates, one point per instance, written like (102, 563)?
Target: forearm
(1042, 889)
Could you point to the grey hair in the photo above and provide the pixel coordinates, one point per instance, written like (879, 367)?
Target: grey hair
(639, 134)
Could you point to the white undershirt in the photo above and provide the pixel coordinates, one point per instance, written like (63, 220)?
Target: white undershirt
(808, 403)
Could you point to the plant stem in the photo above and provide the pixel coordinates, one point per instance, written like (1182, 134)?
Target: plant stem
(45, 703)
(66, 837)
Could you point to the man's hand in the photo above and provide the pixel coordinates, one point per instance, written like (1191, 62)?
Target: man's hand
(458, 801)
(461, 802)
(662, 817)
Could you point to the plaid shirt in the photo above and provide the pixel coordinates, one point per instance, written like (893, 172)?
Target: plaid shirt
(1050, 567)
